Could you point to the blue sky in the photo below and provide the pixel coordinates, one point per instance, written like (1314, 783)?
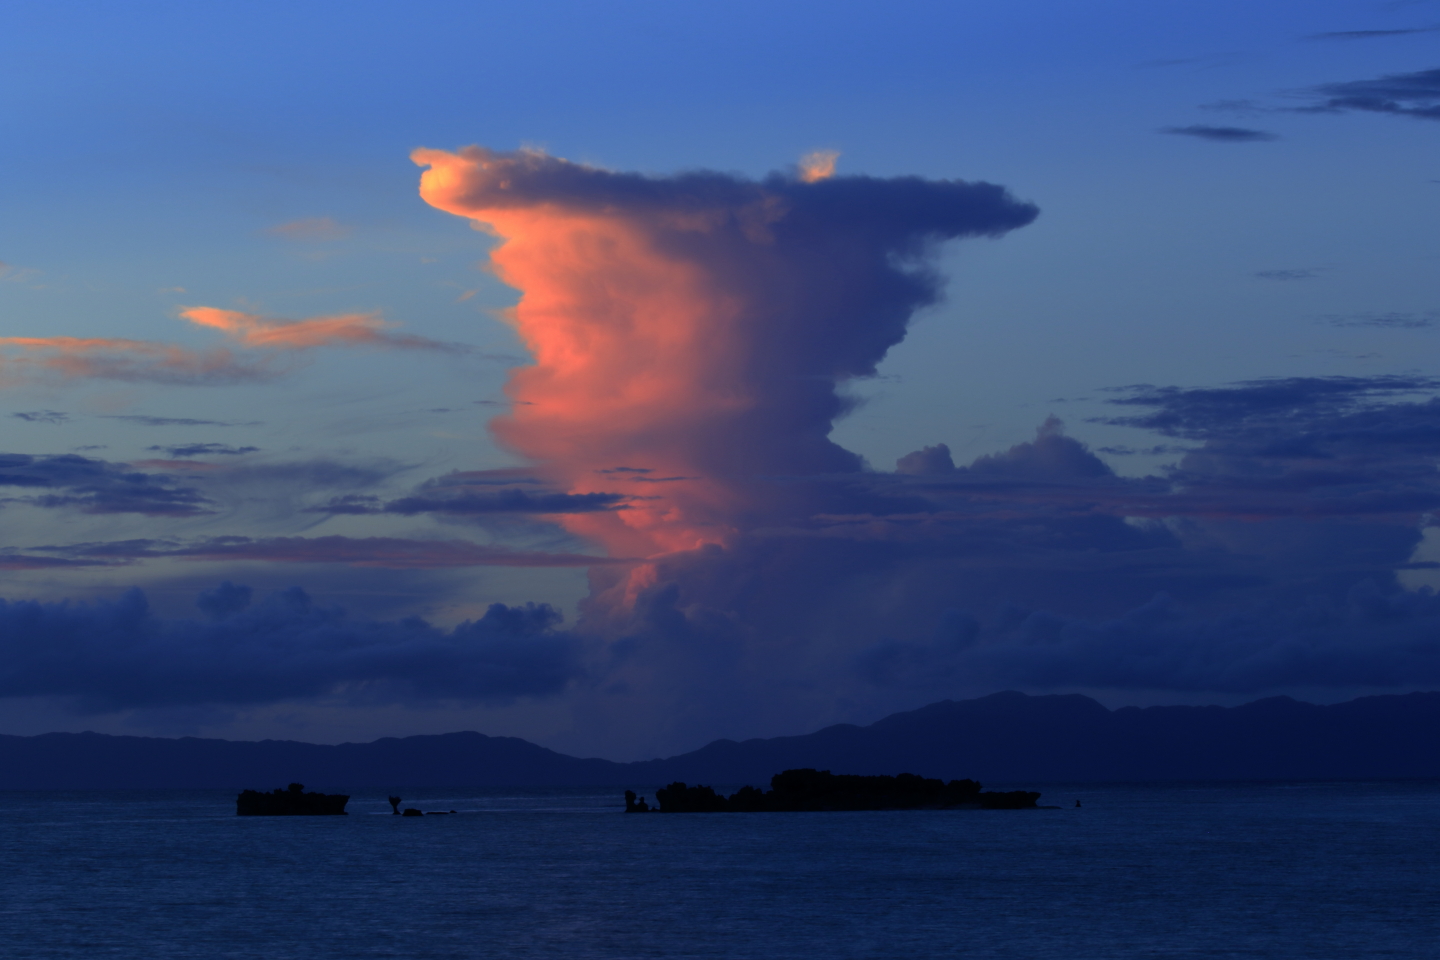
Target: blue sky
(160, 157)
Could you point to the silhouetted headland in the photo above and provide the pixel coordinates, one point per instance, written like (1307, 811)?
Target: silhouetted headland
(1002, 738)
(293, 801)
(810, 790)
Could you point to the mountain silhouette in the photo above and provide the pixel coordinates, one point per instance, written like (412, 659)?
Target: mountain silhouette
(1003, 738)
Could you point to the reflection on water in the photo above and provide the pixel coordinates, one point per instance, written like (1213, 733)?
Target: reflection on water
(1141, 870)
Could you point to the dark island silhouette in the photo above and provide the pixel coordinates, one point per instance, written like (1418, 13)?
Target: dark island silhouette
(816, 790)
(1002, 738)
(290, 802)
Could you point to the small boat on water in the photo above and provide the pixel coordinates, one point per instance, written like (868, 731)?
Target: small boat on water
(292, 801)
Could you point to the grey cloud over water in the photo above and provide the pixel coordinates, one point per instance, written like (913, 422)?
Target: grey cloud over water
(116, 654)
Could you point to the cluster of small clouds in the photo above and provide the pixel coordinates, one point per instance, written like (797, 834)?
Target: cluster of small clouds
(1415, 94)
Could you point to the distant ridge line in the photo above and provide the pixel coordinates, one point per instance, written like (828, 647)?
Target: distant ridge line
(1003, 738)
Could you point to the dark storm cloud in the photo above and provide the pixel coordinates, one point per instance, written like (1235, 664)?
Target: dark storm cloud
(204, 450)
(96, 486)
(1221, 134)
(1414, 94)
(110, 655)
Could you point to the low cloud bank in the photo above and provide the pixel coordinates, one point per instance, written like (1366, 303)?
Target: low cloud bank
(1366, 638)
(112, 655)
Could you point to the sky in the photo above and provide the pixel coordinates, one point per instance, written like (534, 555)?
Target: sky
(623, 376)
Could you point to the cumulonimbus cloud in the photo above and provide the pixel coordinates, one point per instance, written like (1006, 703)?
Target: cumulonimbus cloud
(698, 326)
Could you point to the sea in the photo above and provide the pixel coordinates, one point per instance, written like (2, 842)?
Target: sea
(1312, 870)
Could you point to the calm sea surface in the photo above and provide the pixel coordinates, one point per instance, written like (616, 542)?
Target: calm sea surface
(1314, 870)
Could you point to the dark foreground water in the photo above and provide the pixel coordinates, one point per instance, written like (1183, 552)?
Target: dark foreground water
(1142, 870)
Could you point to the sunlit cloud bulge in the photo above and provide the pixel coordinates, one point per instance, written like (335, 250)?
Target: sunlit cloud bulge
(818, 165)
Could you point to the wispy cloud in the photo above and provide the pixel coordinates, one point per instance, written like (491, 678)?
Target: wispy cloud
(310, 229)
(1394, 321)
(25, 358)
(1414, 94)
(393, 553)
(267, 348)
(96, 486)
(349, 329)
(1287, 274)
(42, 416)
(10, 273)
(11, 560)
(1221, 134)
(204, 450)
(178, 421)
(473, 503)
(1370, 34)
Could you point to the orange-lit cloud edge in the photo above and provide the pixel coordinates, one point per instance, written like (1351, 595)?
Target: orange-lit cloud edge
(117, 358)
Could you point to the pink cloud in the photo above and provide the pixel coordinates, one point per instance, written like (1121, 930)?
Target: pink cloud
(348, 329)
(106, 358)
(115, 358)
(818, 165)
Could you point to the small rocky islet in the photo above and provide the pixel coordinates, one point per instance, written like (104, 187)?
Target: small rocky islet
(819, 790)
(289, 802)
